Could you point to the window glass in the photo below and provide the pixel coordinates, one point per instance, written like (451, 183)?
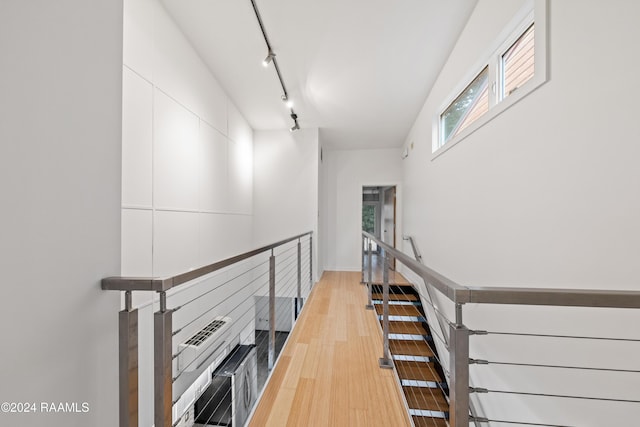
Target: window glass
(472, 103)
(512, 68)
(369, 218)
(518, 63)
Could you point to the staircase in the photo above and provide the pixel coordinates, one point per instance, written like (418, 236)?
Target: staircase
(414, 355)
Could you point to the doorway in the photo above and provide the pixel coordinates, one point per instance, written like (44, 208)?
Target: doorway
(379, 215)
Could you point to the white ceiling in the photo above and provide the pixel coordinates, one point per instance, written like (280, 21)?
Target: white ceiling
(359, 70)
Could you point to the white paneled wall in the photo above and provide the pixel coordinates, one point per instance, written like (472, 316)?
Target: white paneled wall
(175, 242)
(286, 184)
(137, 128)
(187, 180)
(175, 155)
(240, 162)
(346, 173)
(214, 169)
(187, 154)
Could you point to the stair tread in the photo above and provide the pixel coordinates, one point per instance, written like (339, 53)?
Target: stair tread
(429, 422)
(419, 371)
(429, 399)
(410, 348)
(415, 328)
(399, 310)
(396, 297)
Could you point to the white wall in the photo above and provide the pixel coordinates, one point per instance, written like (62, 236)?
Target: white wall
(544, 195)
(347, 171)
(285, 186)
(60, 115)
(187, 153)
(187, 190)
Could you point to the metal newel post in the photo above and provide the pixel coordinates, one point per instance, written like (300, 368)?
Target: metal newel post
(385, 361)
(459, 371)
(369, 305)
(272, 310)
(310, 261)
(128, 348)
(163, 369)
(299, 298)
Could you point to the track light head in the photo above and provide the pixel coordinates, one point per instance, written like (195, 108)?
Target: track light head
(295, 126)
(268, 59)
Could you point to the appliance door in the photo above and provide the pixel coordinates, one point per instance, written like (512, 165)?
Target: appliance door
(246, 388)
(214, 405)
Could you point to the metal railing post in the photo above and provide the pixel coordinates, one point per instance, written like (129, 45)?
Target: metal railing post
(272, 311)
(362, 246)
(162, 368)
(310, 261)
(385, 361)
(299, 298)
(128, 348)
(459, 371)
(369, 305)
(427, 286)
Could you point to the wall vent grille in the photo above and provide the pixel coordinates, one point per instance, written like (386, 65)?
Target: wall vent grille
(201, 345)
(205, 332)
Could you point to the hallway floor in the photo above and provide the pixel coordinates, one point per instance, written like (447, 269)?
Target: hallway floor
(328, 374)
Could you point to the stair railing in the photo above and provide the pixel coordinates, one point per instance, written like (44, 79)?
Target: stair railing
(441, 324)
(626, 372)
(431, 301)
(191, 302)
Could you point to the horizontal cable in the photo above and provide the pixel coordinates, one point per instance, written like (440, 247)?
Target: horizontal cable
(219, 286)
(174, 356)
(285, 251)
(562, 336)
(435, 309)
(439, 314)
(251, 319)
(285, 276)
(280, 260)
(489, 362)
(211, 398)
(563, 396)
(206, 349)
(219, 302)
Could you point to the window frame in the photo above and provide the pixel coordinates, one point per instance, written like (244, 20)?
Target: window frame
(533, 13)
(503, 50)
(441, 122)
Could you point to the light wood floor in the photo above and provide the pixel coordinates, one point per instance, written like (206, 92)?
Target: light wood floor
(328, 374)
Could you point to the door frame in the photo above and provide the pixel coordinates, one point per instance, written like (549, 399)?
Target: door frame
(377, 226)
(394, 237)
(398, 210)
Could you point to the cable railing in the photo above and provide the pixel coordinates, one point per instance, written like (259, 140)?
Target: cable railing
(518, 356)
(203, 348)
